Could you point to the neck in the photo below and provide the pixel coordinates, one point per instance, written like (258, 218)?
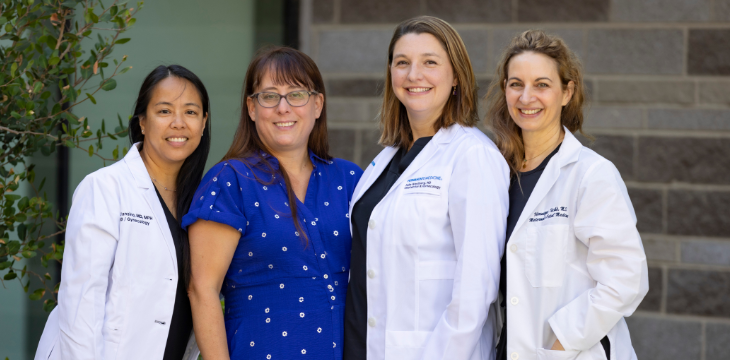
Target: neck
(293, 161)
(422, 124)
(537, 143)
(164, 173)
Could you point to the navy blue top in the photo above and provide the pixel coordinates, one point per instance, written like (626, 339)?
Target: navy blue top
(283, 299)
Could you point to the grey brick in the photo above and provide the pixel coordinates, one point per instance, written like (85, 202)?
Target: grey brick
(501, 38)
(355, 87)
(323, 11)
(689, 119)
(661, 250)
(708, 52)
(660, 10)
(347, 110)
(706, 252)
(378, 11)
(648, 207)
(476, 45)
(353, 50)
(370, 146)
(721, 11)
(697, 292)
(715, 92)
(694, 160)
(611, 117)
(675, 92)
(563, 10)
(617, 149)
(342, 143)
(702, 213)
(628, 51)
(653, 299)
(665, 339)
(717, 341)
(470, 11)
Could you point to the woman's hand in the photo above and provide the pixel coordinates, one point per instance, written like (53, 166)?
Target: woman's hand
(557, 346)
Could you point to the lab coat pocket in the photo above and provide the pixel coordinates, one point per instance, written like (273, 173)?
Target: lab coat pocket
(545, 255)
(405, 345)
(435, 285)
(545, 354)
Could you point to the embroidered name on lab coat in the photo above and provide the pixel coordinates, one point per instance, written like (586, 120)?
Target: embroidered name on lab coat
(135, 218)
(423, 185)
(561, 211)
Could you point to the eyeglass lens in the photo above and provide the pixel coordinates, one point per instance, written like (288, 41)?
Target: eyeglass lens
(294, 98)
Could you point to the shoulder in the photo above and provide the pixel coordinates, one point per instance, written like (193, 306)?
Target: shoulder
(473, 137)
(596, 168)
(347, 167)
(107, 178)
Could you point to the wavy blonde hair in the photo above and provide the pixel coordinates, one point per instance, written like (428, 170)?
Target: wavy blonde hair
(507, 135)
(460, 108)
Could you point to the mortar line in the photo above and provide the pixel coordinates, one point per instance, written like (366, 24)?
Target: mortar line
(685, 45)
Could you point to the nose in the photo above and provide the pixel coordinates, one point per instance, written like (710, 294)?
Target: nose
(283, 106)
(526, 97)
(177, 121)
(414, 73)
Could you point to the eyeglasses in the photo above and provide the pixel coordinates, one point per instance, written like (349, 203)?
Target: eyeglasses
(295, 98)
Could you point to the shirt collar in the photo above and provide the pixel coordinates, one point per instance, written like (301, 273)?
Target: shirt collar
(275, 162)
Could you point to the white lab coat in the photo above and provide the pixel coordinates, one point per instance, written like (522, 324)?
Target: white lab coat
(119, 274)
(434, 244)
(575, 263)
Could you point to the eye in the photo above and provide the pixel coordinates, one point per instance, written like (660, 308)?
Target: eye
(515, 84)
(269, 96)
(543, 85)
(164, 111)
(401, 62)
(431, 62)
(297, 95)
(191, 112)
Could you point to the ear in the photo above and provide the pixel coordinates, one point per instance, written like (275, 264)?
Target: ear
(251, 105)
(456, 81)
(141, 122)
(205, 120)
(318, 105)
(568, 92)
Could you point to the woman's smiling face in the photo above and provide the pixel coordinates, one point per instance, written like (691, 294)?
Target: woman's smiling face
(534, 91)
(422, 75)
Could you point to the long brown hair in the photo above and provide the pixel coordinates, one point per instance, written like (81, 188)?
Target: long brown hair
(286, 66)
(507, 135)
(460, 108)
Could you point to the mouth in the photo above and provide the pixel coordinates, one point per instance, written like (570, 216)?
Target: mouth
(285, 124)
(530, 112)
(177, 140)
(418, 90)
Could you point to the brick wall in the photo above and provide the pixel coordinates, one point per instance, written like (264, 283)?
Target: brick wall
(658, 74)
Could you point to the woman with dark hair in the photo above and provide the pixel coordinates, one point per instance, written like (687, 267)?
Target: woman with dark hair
(123, 289)
(428, 216)
(269, 227)
(575, 265)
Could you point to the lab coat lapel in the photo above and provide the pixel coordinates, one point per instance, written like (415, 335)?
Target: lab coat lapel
(144, 183)
(568, 153)
(377, 167)
(443, 136)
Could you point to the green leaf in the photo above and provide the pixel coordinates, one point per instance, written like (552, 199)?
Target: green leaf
(22, 231)
(115, 155)
(16, 115)
(13, 247)
(70, 144)
(13, 68)
(4, 265)
(54, 60)
(48, 305)
(124, 70)
(3, 20)
(109, 84)
(20, 217)
(91, 150)
(93, 101)
(131, 22)
(113, 10)
(28, 254)
(122, 41)
(10, 276)
(38, 294)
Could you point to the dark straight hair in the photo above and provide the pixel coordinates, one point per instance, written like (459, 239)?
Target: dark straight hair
(285, 66)
(191, 172)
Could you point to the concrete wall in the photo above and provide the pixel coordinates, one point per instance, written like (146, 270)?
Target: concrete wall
(658, 73)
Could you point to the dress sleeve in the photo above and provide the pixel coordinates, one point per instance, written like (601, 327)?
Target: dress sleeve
(219, 198)
(606, 223)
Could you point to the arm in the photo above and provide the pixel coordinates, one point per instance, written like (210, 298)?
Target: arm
(478, 202)
(606, 223)
(91, 241)
(212, 246)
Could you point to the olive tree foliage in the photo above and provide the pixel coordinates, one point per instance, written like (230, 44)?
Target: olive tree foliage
(54, 55)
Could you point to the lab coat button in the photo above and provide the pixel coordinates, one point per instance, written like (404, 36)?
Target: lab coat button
(514, 300)
(371, 224)
(514, 356)
(513, 248)
(371, 322)
(371, 274)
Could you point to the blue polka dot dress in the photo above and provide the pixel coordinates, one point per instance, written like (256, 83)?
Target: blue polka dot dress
(283, 299)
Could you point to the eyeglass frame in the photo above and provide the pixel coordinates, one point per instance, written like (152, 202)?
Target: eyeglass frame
(309, 95)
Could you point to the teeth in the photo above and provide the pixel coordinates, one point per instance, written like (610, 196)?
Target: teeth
(285, 124)
(417, 90)
(530, 112)
(181, 139)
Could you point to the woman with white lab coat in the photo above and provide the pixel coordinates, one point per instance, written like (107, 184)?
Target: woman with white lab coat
(123, 292)
(574, 265)
(428, 215)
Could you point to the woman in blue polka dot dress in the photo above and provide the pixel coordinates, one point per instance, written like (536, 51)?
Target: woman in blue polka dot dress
(269, 226)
